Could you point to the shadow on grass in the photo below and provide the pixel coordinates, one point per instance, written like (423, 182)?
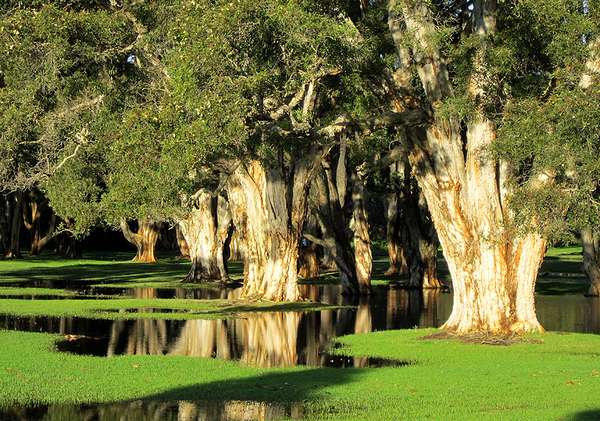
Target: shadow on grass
(270, 396)
(591, 415)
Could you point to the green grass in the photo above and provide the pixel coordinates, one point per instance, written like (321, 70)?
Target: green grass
(136, 308)
(35, 292)
(556, 379)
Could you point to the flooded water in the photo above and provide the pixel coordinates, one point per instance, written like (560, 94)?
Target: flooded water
(155, 411)
(263, 339)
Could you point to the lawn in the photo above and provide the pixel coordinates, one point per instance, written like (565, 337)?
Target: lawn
(551, 377)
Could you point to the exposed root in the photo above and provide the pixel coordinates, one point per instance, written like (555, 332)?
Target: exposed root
(483, 338)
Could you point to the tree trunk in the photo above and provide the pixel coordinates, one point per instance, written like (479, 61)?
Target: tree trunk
(308, 264)
(493, 269)
(184, 249)
(206, 230)
(16, 222)
(144, 239)
(269, 207)
(33, 219)
(330, 188)
(363, 256)
(309, 261)
(235, 247)
(590, 242)
(395, 245)
(422, 237)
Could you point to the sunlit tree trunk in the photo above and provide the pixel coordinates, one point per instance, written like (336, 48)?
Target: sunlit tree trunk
(206, 230)
(32, 220)
(363, 256)
(269, 207)
(144, 239)
(235, 247)
(493, 270)
(590, 241)
(184, 249)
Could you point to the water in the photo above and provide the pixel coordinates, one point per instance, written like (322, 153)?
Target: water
(264, 339)
(154, 410)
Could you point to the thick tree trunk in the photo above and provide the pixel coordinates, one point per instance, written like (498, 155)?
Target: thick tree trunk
(363, 256)
(331, 186)
(184, 249)
(269, 207)
(206, 230)
(144, 239)
(493, 269)
(590, 242)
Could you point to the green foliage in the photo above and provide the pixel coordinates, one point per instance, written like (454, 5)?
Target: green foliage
(559, 137)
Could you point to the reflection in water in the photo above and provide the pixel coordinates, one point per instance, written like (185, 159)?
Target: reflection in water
(156, 410)
(283, 339)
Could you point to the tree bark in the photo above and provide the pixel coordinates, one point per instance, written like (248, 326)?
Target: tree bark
(269, 208)
(363, 256)
(144, 239)
(308, 263)
(206, 230)
(398, 264)
(590, 242)
(16, 223)
(235, 247)
(184, 249)
(331, 212)
(493, 269)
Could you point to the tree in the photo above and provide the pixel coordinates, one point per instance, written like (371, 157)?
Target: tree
(468, 189)
(63, 70)
(266, 88)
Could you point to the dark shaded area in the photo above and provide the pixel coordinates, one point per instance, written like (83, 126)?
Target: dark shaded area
(159, 410)
(591, 415)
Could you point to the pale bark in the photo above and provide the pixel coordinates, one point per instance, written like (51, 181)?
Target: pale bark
(590, 241)
(32, 220)
(269, 208)
(184, 249)
(236, 252)
(493, 269)
(206, 230)
(144, 239)
(363, 256)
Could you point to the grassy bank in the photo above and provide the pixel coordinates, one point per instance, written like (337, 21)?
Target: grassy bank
(557, 378)
(135, 308)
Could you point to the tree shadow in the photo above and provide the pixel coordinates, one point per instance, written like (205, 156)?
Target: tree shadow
(589, 415)
(269, 396)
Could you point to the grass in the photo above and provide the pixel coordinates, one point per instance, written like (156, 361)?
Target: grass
(35, 292)
(558, 378)
(136, 308)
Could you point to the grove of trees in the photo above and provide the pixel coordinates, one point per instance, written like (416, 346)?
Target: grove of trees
(288, 132)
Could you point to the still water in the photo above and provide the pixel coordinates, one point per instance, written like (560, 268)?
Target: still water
(264, 339)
